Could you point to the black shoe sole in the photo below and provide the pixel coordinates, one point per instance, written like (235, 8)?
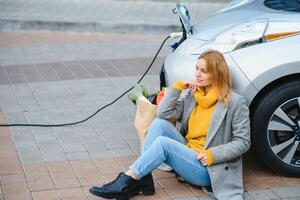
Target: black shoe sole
(109, 196)
(145, 192)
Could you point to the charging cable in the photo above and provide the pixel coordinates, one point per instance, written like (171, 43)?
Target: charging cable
(172, 35)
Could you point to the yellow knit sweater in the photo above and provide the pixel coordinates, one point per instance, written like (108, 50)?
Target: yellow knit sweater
(199, 120)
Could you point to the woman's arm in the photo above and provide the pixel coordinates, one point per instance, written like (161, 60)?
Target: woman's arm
(171, 107)
(240, 143)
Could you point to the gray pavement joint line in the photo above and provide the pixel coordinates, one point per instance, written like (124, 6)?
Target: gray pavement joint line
(2, 195)
(44, 156)
(57, 139)
(192, 190)
(94, 162)
(93, 159)
(36, 141)
(107, 105)
(97, 67)
(42, 152)
(274, 193)
(70, 161)
(19, 156)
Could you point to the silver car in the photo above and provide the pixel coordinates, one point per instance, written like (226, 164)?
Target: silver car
(261, 44)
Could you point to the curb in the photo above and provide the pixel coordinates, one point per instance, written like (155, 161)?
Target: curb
(21, 25)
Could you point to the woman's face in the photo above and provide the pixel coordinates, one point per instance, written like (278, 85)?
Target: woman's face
(202, 77)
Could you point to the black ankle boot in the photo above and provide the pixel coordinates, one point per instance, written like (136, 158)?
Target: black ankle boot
(124, 187)
(144, 185)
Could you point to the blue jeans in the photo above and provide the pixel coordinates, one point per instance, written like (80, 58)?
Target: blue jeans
(164, 143)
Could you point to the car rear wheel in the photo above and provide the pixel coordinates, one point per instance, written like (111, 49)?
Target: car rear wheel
(275, 127)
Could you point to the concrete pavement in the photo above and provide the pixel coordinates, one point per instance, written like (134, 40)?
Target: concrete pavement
(99, 15)
(56, 77)
(62, 163)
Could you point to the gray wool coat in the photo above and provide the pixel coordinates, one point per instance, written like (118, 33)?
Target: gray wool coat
(228, 138)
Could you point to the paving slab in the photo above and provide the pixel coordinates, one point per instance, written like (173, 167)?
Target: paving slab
(287, 192)
(63, 162)
(263, 194)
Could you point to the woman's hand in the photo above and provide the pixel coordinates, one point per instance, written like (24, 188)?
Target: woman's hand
(202, 158)
(191, 85)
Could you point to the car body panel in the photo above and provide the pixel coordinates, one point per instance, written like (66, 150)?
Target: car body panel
(234, 4)
(272, 60)
(222, 21)
(252, 11)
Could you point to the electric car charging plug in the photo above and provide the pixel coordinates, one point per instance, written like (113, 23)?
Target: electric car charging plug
(176, 34)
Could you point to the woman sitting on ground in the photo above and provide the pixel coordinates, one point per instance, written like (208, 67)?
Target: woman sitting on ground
(207, 150)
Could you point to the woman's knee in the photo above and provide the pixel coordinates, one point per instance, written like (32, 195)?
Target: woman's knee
(159, 123)
(155, 130)
(163, 141)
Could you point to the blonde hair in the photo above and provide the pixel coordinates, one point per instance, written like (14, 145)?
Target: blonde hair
(217, 66)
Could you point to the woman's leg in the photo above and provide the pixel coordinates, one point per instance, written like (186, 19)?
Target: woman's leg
(162, 127)
(181, 158)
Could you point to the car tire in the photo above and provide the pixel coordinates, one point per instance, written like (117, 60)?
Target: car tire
(276, 134)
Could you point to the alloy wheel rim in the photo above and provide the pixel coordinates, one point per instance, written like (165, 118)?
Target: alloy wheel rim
(284, 132)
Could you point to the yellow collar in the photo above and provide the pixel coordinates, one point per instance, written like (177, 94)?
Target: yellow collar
(208, 99)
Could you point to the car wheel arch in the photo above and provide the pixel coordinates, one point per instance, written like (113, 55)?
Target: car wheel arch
(269, 87)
